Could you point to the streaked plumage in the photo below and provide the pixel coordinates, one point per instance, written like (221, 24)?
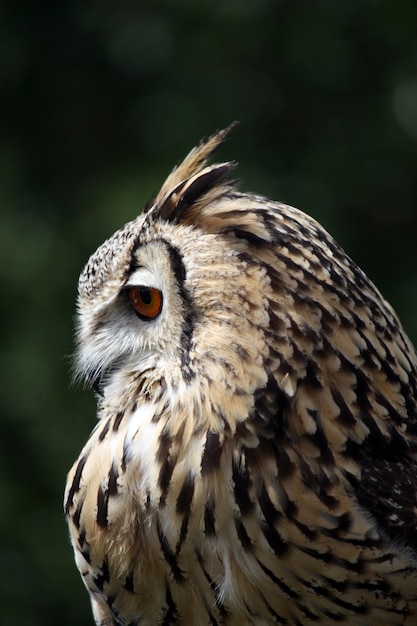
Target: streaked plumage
(255, 456)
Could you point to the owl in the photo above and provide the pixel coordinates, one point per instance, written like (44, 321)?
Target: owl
(255, 456)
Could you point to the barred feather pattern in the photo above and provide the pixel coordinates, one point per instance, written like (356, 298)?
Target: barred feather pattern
(254, 461)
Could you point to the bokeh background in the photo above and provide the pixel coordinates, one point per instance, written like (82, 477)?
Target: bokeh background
(98, 101)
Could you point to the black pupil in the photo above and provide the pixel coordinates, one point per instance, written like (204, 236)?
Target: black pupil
(146, 295)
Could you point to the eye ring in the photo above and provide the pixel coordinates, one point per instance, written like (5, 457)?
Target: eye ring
(147, 301)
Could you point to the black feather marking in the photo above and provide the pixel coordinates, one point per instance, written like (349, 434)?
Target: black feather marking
(164, 477)
(326, 592)
(205, 182)
(104, 430)
(395, 416)
(327, 556)
(77, 515)
(103, 496)
(320, 440)
(126, 454)
(286, 467)
(167, 464)
(129, 586)
(277, 543)
(169, 555)
(241, 482)
(286, 590)
(103, 577)
(185, 496)
(183, 507)
(251, 238)
(165, 442)
(311, 378)
(242, 533)
(308, 532)
(118, 420)
(209, 519)
(183, 533)
(212, 453)
(313, 617)
(270, 513)
(171, 616)
(75, 486)
(179, 271)
(112, 486)
(345, 417)
(176, 206)
(81, 539)
(102, 501)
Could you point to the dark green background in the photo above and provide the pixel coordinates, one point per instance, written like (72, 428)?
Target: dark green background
(98, 100)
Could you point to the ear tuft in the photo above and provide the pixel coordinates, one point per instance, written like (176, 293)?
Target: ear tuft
(181, 204)
(193, 163)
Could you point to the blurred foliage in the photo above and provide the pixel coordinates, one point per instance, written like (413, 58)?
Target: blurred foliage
(98, 101)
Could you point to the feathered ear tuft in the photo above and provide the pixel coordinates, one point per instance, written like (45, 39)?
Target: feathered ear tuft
(184, 202)
(194, 162)
(191, 180)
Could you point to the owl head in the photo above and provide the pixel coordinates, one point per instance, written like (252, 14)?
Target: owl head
(229, 301)
(176, 292)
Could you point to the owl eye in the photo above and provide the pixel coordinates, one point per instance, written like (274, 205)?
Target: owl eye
(147, 301)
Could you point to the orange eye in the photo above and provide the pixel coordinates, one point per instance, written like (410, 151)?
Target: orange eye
(147, 301)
